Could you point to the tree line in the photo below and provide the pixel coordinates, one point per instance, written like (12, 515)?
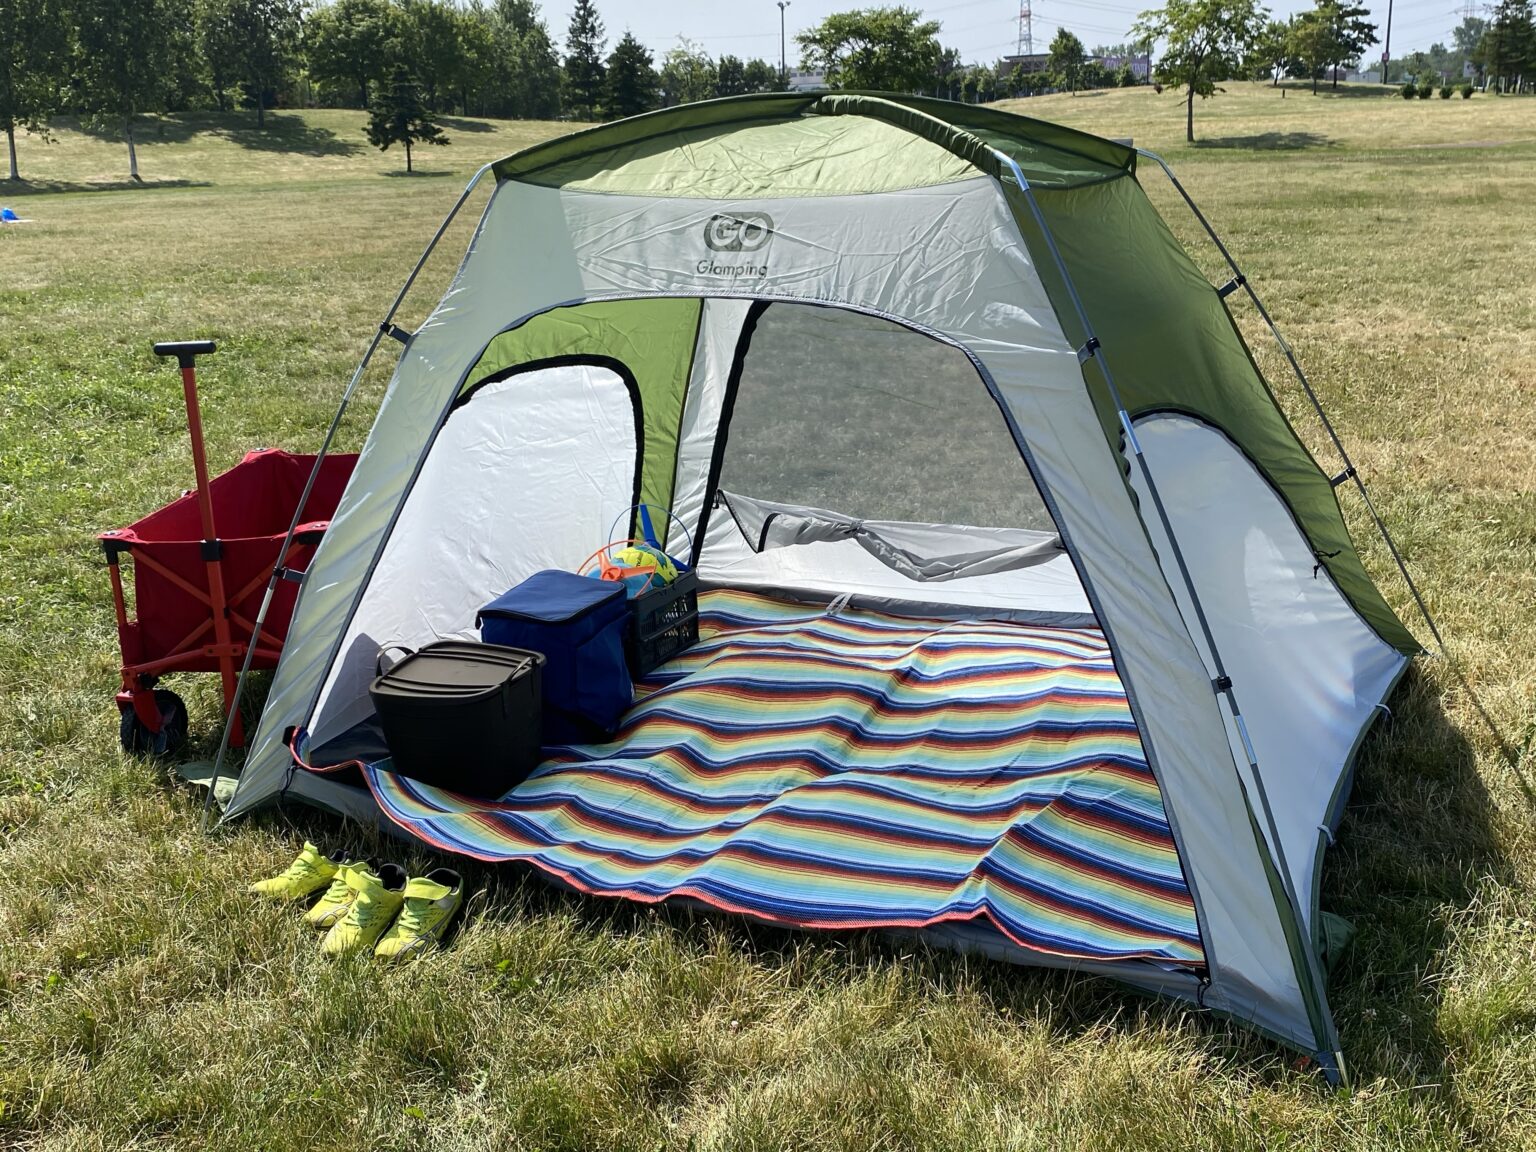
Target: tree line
(113, 61)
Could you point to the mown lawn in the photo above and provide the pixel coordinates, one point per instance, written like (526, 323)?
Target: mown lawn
(144, 1001)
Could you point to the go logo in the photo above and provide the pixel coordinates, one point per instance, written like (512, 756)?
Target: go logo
(745, 233)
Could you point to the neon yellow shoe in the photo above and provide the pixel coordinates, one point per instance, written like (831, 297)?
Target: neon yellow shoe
(310, 871)
(333, 905)
(431, 903)
(379, 895)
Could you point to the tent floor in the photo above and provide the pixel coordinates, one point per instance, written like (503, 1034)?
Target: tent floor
(858, 770)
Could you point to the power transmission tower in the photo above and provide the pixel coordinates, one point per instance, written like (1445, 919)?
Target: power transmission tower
(1026, 29)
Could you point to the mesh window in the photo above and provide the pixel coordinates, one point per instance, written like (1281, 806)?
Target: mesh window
(859, 415)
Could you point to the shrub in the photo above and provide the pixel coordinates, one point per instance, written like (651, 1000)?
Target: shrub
(1445, 92)
(1466, 91)
(1426, 90)
(1409, 90)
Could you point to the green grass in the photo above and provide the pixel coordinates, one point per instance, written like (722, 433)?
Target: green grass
(144, 1002)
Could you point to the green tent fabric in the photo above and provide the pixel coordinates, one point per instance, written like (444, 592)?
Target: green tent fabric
(653, 338)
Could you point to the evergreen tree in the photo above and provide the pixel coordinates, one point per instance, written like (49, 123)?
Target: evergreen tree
(120, 61)
(398, 115)
(34, 46)
(584, 43)
(632, 82)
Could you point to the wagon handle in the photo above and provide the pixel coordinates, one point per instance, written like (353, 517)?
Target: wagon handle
(185, 350)
(186, 353)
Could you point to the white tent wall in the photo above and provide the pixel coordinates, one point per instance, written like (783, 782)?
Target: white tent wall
(1309, 672)
(523, 476)
(951, 260)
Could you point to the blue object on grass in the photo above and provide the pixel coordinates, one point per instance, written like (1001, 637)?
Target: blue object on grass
(578, 624)
(9, 216)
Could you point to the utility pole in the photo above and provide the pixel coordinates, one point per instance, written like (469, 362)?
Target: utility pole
(1386, 47)
(783, 61)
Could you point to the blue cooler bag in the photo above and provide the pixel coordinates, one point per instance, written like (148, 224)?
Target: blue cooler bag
(578, 623)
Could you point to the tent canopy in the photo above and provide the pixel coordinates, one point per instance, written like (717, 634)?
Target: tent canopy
(942, 359)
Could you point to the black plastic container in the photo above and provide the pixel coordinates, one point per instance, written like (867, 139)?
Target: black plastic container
(463, 716)
(663, 622)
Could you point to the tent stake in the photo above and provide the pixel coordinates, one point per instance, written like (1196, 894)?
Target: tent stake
(1350, 472)
(386, 327)
(1222, 681)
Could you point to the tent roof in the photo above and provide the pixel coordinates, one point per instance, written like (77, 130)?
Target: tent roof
(784, 144)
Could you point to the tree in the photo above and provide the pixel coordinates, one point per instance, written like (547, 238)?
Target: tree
(949, 75)
(119, 68)
(1067, 58)
(761, 76)
(687, 74)
(399, 116)
(1270, 51)
(1510, 45)
(34, 46)
(1206, 41)
(584, 59)
(1347, 33)
(535, 79)
(887, 49)
(1310, 47)
(433, 43)
(353, 42)
(265, 35)
(730, 76)
(632, 82)
(219, 44)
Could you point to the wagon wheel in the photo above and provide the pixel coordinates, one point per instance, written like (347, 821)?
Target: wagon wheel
(138, 740)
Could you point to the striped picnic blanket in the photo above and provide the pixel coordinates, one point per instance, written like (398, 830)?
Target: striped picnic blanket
(858, 770)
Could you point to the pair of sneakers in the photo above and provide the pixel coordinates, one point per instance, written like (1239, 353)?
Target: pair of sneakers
(368, 905)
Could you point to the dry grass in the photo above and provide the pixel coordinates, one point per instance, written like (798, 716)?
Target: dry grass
(144, 1002)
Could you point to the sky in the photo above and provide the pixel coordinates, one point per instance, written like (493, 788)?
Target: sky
(982, 30)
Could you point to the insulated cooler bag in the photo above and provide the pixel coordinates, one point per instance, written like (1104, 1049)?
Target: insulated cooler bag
(578, 623)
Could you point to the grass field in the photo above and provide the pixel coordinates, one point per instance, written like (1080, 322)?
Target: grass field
(144, 1002)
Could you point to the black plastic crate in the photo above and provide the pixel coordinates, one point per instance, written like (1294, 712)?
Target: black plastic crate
(463, 716)
(662, 623)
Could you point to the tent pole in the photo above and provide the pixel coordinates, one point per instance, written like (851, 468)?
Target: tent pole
(279, 572)
(1350, 471)
(1092, 350)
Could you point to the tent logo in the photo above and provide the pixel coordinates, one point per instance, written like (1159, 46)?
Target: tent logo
(745, 233)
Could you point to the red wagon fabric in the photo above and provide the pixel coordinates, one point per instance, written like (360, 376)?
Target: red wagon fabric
(253, 504)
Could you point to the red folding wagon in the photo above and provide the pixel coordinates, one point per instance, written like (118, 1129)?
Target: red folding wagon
(201, 566)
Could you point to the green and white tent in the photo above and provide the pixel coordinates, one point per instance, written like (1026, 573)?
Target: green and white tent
(1059, 411)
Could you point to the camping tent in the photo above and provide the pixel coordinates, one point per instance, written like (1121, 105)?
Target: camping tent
(934, 362)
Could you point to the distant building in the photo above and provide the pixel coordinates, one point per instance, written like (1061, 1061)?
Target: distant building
(1030, 63)
(807, 81)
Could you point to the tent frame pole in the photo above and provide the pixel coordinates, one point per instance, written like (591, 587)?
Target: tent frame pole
(1222, 683)
(279, 572)
(1240, 280)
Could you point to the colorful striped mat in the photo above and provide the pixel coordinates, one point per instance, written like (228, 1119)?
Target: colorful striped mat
(858, 770)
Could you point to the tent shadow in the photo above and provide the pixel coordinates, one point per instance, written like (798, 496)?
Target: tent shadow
(1417, 844)
(1268, 142)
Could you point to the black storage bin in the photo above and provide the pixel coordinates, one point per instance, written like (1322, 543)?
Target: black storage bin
(463, 716)
(662, 622)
